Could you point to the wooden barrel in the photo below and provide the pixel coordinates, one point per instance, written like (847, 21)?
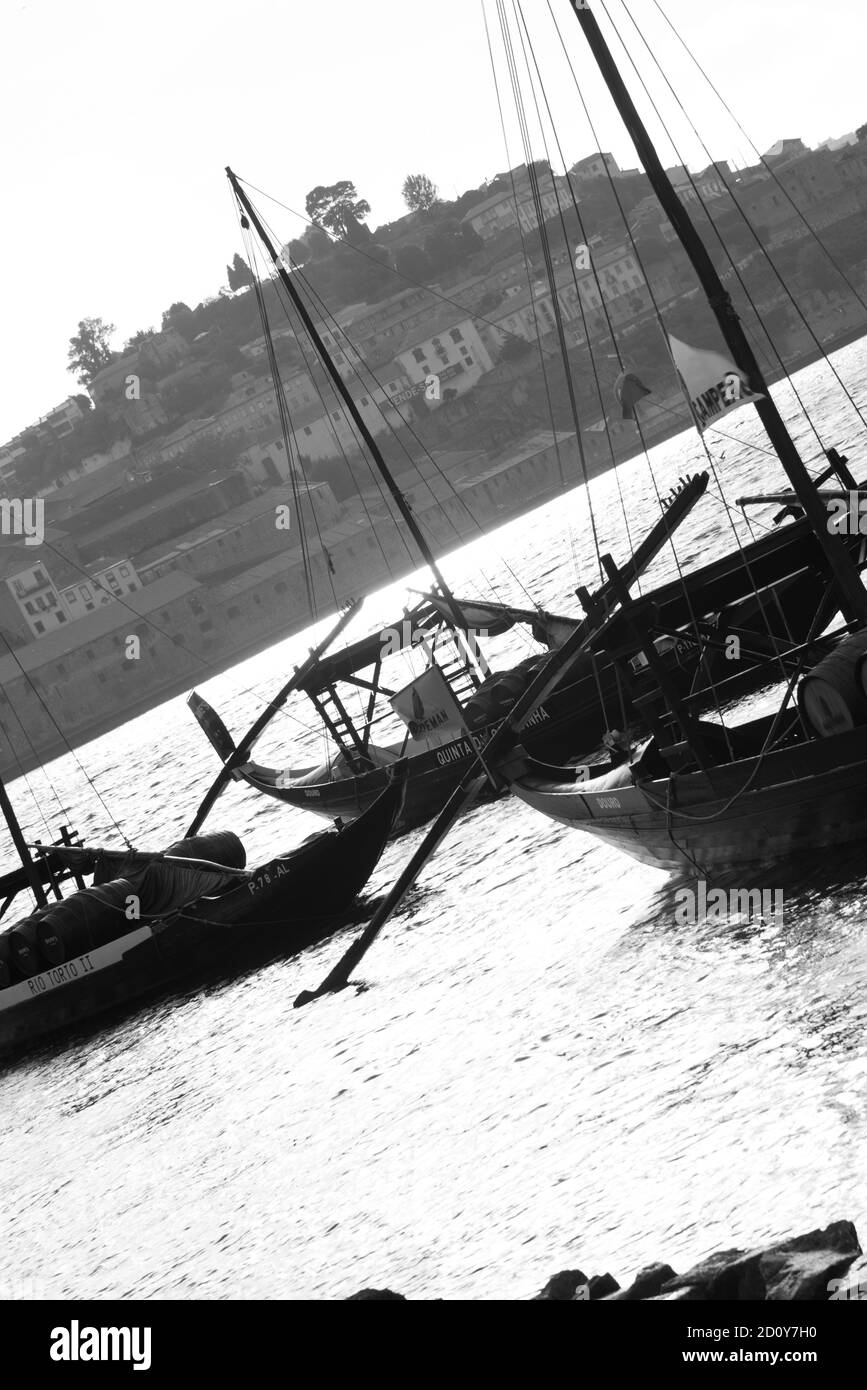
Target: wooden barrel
(24, 947)
(7, 964)
(84, 921)
(832, 697)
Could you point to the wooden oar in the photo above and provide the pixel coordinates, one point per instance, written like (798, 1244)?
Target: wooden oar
(242, 751)
(552, 673)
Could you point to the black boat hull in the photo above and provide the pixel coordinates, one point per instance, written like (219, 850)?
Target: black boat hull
(754, 811)
(286, 903)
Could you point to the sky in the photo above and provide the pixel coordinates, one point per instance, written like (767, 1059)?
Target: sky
(119, 120)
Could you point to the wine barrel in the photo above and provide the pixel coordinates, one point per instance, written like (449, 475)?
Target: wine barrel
(832, 697)
(7, 964)
(221, 847)
(24, 947)
(85, 921)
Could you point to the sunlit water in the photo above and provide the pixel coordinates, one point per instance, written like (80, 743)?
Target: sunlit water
(544, 1069)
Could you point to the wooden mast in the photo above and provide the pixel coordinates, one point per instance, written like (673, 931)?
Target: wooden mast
(346, 396)
(21, 847)
(852, 593)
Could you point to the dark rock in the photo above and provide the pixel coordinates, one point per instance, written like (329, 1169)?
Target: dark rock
(840, 1236)
(728, 1275)
(602, 1285)
(799, 1267)
(374, 1293)
(647, 1284)
(805, 1274)
(561, 1287)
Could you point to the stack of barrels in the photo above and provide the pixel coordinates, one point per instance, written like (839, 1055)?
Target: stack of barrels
(94, 916)
(496, 696)
(832, 698)
(55, 934)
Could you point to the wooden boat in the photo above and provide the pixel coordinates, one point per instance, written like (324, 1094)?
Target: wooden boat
(191, 918)
(700, 796)
(573, 718)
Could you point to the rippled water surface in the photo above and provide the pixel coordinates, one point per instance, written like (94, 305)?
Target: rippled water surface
(543, 1070)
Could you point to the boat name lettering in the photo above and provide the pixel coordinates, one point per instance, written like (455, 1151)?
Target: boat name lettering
(267, 877)
(456, 752)
(60, 975)
(608, 803)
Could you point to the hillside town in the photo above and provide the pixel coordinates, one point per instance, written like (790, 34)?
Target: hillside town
(180, 532)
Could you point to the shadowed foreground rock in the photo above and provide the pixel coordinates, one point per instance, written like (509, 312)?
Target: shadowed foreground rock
(816, 1267)
(375, 1294)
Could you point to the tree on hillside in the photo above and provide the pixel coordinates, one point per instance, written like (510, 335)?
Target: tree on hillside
(338, 208)
(861, 132)
(89, 350)
(450, 244)
(419, 192)
(312, 245)
(138, 338)
(413, 263)
(238, 274)
(179, 316)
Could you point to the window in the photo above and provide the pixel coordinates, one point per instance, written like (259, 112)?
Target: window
(456, 335)
(232, 612)
(29, 607)
(364, 400)
(124, 570)
(307, 430)
(40, 627)
(61, 617)
(418, 354)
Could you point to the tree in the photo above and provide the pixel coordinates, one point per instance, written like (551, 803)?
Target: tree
(413, 263)
(514, 349)
(89, 350)
(861, 132)
(419, 192)
(180, 317)
(138, 338)
(238, 274)
(313, 245)
(450, 244)
(338, 208)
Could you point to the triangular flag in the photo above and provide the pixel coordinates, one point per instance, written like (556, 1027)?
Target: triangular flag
(629, 391)
(713, 385)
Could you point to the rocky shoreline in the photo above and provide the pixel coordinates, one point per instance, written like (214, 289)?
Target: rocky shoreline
(816, 1267)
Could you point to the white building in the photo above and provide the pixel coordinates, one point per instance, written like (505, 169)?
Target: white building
(454, 352)
(109, 579)
(46, 607)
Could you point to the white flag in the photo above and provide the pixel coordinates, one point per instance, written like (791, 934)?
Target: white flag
(712, 383)
(428, 705)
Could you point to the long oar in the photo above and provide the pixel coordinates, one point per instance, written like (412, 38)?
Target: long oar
(243, 749)
(555, 670)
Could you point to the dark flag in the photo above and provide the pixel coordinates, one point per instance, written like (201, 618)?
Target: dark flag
(629, 391)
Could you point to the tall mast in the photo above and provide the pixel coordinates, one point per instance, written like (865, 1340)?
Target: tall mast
(21, 846)
(343, 391)
(852, 593)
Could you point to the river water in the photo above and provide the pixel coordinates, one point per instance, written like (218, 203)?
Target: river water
(543, 1071)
